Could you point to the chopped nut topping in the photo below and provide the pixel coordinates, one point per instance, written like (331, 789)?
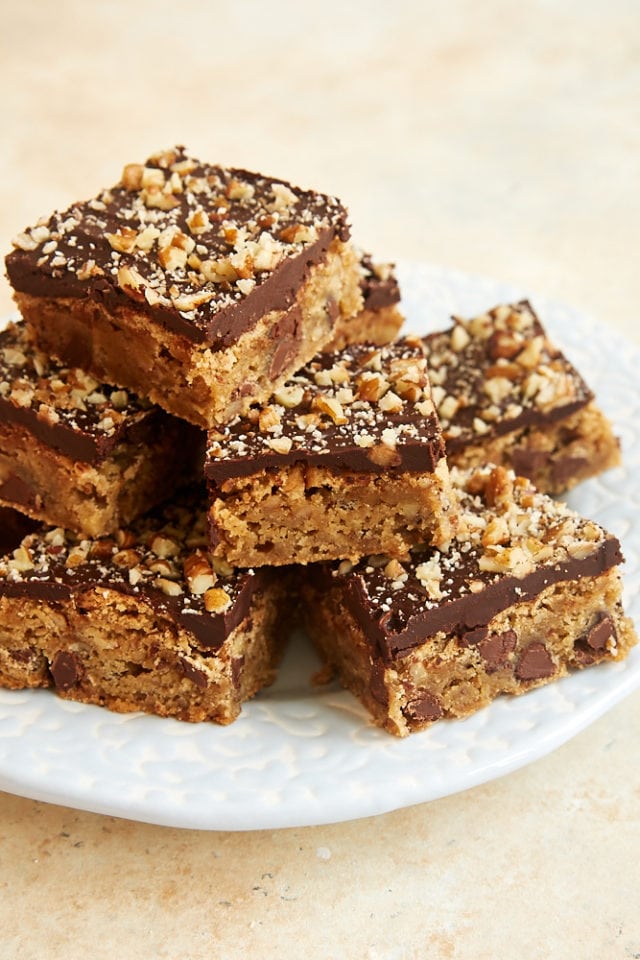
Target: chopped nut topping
(124, 241)
(356, 399)
(25, 241)
(280, 444)
(384, 455)
(132, 176)
(269, 419)
(448, 408)
(126, 558)
(371, 386)
(221, 567)
(394, 570)
(131, 281)
(390, 402)
(430, 575)
(331, 407)
(459, 338)
(59, 395)
(166, 568)
(164, 546)
(244, 224)
(89, 269)
(22, 560)
(188, 582)
(170, 587)
(198, 222)
(198, 573)
(495, 368)
(216, 600)
(509, 530)
(289, 396)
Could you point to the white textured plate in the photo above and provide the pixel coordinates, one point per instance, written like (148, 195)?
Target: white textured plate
(302, 755)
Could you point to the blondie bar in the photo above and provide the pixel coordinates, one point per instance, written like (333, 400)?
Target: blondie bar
(140, 621)
(194, 285)
(345, 460)
(380, 319)
(80, 454)
(531, 592)
(506, 394)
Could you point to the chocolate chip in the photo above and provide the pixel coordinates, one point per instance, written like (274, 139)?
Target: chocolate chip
(582, 655)
(284, 352)
(535, 663)
(13, 527)
(25, 655)
(214, 536)
(65, 669)
(377, 685)
(426, 707)
(332, 310)
(566, 468)
(18, 491)
(246, 389)
(197, 676)
(594, 641)
(471, 637)
(601, 631)
(287, 332)
(237, 669)
(495, 649)
(529, 463)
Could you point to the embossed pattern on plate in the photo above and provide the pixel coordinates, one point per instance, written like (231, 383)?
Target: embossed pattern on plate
(302, 754)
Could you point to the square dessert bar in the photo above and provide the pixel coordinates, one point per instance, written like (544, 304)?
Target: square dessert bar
(380, 319)
(195, 285)
(80, 454)
(505, 394)
(346, 459)
(141, 621)
(532, 591)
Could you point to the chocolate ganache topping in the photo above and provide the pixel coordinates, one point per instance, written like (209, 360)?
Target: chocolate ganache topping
(363, 408)
(379, 284)
(206, 250)
(498, 372)
(161, 559)
(65, 407)
(519, 543)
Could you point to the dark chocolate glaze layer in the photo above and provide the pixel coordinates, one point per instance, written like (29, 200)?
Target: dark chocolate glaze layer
(85, 444)
(36, 393)
(240, 448)
(515, 542)
(55, 580)
(378, 291)
(408, 623)
(81, 237)
(210, 630)
(463, 373)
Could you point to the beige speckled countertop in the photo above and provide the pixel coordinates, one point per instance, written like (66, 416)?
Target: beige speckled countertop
(499, 138)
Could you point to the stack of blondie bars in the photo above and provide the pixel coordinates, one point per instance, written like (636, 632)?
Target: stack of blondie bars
(210, 428)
